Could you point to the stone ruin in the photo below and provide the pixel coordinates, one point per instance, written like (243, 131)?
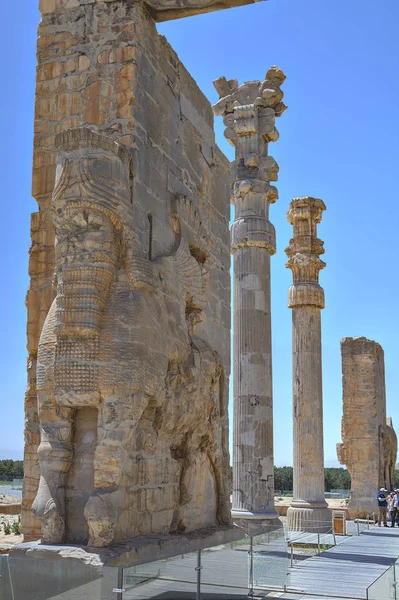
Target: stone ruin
(129, 301)
(249, 113)
(369, 443)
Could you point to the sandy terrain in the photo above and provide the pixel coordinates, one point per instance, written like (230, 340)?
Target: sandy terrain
(10, 538)
(4, 519)
(332, 502)
(8, 499)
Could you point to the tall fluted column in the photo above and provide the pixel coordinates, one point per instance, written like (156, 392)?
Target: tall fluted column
(249, 113)
(308, 510)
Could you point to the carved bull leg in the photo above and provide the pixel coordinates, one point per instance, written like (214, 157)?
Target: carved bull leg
(220, 470)
(118, 418)
(55, 457)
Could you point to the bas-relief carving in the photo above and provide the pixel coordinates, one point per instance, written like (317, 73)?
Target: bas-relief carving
(130, 399)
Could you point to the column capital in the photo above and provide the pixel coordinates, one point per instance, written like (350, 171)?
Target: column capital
(304, 251)
(249, 113)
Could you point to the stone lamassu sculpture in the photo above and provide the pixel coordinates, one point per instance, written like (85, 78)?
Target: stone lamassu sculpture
(132, 416)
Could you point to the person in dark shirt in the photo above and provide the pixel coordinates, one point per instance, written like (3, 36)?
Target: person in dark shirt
(382, 507)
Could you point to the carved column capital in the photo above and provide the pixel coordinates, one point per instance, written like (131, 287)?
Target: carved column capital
(303, 252)
(249, 113)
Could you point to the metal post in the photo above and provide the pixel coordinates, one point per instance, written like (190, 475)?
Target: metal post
(198, 569)
(335, 541)
(368, 521)
(251, 568)
(292, 554)
(357, 522)
(118, 590)
(318, 542)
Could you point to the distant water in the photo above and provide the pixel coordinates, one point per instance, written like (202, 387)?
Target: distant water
(7, 489)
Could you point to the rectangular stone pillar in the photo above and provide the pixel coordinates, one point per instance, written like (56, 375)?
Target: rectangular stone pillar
(368, 447)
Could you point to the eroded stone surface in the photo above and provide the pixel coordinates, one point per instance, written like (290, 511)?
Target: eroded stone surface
(308, 511)
(249, 112)
(369, 443)
(133, 360)
(163, 10)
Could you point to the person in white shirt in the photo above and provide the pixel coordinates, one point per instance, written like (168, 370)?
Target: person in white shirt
(395, 508)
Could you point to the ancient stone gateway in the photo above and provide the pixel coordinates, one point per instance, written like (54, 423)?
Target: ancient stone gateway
(249, 112)
(369, 444)
(129, 302)
(308, 510)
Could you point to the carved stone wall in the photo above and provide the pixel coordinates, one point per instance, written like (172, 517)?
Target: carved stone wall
(134, 356)
(369, 444)
(161, 10)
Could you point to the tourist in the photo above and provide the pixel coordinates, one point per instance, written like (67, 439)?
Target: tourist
(382, 507)
(390, 501)
(395, 508)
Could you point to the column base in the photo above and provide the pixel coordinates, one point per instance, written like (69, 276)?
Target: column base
(312, 518)
(257, 523)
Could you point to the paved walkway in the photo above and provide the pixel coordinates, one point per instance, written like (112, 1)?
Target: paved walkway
(348, 569)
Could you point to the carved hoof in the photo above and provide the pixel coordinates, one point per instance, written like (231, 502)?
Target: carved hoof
(101, 534)
(53, 525)
(101, 513)
(53, 528)
(224, 513)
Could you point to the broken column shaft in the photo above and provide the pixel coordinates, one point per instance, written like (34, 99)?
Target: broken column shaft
(308, 511)
(249, 114)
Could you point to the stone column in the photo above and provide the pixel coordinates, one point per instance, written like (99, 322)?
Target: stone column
(308, 511)
(249, 113)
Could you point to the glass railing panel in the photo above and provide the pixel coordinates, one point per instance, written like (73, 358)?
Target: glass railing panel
(60, 579)
(225, 571)
(228, 571)
(174, 577)
(270, 561)
(384, 588)
(5, 582)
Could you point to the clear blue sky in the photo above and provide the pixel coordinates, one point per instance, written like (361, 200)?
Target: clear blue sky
(338, 141)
